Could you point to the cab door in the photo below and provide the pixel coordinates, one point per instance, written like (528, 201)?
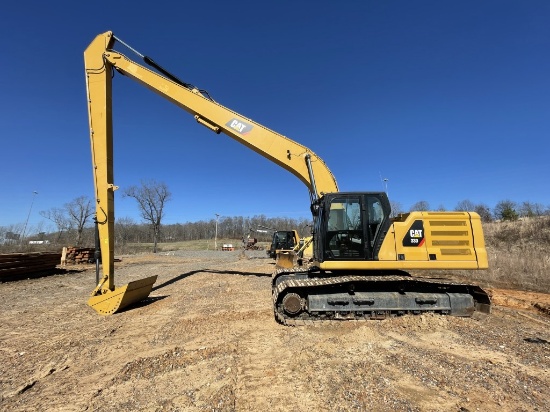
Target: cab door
(345, 236)
(354, 226)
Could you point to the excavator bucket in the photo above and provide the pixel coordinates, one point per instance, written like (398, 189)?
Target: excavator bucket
(286, 259)
(115, 300)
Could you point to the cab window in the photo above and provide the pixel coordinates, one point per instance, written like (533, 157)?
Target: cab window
(345, 229)
(375, 217)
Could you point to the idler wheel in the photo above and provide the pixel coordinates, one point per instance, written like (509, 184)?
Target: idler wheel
(292, 304)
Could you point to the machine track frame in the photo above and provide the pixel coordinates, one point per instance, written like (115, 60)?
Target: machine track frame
(306, 296)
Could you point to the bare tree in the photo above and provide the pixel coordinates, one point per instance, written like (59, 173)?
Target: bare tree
(396, 208)
(59, 218)
(151, 197)
(484, 212)
(530, 209)
(465, 205)
(420, 206)
(481, 209)
(79, 210)
(124, 228)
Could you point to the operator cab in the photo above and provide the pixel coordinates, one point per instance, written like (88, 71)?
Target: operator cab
(351, 226)
(282, 240)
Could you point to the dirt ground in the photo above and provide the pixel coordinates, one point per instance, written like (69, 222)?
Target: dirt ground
(206, 340)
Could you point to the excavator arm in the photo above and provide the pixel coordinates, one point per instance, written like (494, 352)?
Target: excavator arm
(100, 60)
(360, 254)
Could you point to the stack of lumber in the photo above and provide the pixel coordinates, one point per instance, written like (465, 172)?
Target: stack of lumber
(79, 255)
(17, 264)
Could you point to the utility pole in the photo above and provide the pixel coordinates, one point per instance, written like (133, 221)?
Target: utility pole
(34, 193)
(216, 236)
(385, 183)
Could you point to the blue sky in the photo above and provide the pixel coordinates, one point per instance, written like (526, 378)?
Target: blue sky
(447, 100)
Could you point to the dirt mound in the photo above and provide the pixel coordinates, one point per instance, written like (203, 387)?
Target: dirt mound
(532, 301)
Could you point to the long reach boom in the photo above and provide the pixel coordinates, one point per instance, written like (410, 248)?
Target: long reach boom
(360, 253)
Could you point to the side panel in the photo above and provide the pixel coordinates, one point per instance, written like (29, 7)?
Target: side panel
(410, 238)
(387, 251)
(479, 241)
(449, 236)
(440, 236)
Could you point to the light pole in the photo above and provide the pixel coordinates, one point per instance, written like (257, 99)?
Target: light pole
(216, 236)
(34, 193)
(386, 185)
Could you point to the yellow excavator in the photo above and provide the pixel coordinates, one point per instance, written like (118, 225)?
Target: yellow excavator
(283, 240)
(361, 256)
(289, 249)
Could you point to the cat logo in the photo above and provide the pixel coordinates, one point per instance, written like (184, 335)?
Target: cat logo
(415, 235)
(239, 126)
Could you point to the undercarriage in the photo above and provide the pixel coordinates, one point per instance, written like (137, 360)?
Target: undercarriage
(301, 297)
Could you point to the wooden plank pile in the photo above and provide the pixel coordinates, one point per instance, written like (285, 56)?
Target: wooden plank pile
(19, 264)
(79, 255)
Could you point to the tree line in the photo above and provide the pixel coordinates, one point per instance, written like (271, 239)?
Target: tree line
(504, 210)
(74, 222)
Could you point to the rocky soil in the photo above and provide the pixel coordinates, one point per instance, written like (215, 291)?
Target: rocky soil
(206, 340)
